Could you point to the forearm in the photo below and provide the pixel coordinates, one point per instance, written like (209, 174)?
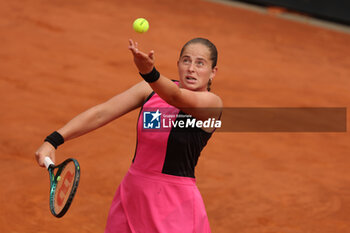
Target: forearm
(201, 104)
(167, 90)
(83, 123)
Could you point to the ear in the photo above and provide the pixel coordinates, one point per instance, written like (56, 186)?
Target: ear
(213, 72)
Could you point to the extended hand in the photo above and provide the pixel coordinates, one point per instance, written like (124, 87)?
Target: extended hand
(144, 62)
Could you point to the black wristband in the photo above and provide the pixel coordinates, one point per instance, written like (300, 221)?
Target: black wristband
(55, 139)
(151, 76)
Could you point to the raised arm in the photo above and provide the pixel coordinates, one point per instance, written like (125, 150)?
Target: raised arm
(200, 104)
(98, 116)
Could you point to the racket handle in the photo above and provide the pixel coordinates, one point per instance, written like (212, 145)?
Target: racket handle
(48, 162)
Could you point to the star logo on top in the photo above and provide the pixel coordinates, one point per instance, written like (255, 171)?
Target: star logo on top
(151, 120)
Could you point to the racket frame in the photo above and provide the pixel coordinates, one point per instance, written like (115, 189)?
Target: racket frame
(53, 183)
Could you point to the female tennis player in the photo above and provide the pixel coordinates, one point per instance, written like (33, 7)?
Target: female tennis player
(159, 193)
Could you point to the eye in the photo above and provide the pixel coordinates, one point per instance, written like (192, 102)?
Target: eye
(200, 63)
(186, 61)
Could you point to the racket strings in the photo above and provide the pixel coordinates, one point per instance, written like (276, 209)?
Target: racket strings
(65, 183)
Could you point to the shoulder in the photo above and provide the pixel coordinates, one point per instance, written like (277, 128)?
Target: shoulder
(199, 99)
(202, 105)
(214, 100)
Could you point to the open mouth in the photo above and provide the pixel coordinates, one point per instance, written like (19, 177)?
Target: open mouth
(190, 78)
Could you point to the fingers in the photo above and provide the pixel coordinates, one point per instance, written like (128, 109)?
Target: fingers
(39, 160)
(144, 62)
(45, 150)
(133, 47)
(132, 43)
(151, 55)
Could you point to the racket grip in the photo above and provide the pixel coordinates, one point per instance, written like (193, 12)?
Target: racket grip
(48, 162)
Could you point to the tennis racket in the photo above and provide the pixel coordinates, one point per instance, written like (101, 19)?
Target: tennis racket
(64, 180)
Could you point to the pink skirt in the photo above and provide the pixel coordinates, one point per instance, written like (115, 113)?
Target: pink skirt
(147, 202)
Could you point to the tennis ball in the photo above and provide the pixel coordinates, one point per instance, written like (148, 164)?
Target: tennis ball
(141, 25)
(58, 178)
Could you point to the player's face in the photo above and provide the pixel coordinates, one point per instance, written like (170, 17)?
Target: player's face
(195, 67)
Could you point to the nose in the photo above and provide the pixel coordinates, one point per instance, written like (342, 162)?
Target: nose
(191, 67)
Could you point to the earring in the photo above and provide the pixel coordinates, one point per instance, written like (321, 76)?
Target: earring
(209, 84)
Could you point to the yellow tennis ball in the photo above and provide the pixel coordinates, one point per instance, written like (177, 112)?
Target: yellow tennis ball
(58, 178)
(141, 25)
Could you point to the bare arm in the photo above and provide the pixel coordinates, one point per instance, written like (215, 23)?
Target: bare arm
(98, 116)
(106, 112)
(200, 104)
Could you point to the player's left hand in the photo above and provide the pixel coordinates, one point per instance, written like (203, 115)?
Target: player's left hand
(144, 62)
